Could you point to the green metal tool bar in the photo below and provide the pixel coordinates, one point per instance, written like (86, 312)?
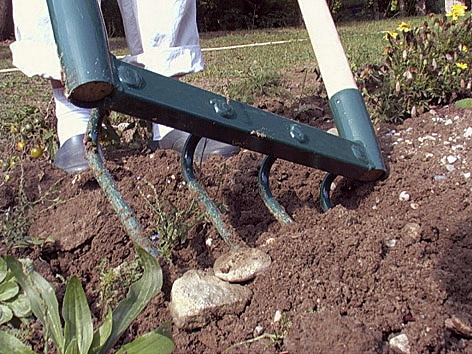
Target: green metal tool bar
(98, 78)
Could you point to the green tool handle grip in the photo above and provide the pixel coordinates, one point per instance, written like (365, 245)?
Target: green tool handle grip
(83, 50)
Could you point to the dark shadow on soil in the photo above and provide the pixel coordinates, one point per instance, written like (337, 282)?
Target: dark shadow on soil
(453, 272)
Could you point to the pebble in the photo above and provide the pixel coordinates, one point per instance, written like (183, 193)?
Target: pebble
(427, 137)
(404, 196)
(277, 316)
(240, 265)
(258, 330)
(391, 243)
(428, 155)
(333, 131)
(411, 230)
(439, 177)
(451, 159)
(122, 126)
(449, 167)
(468, 132)
(400, 343)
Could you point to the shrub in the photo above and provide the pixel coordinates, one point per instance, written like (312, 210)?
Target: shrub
(425, 66)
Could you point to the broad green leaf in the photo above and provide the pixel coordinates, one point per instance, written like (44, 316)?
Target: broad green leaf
(149, 343)
(102, 334)
(42, 299)
(72, 347)
(5, 314)
(8, 290)
(20, 306)
(3, 269)
(12, 345)
(165, 329)
(139, 294)
(78, 324)
(464, 103)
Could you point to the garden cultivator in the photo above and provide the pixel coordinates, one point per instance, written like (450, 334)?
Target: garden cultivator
(95, 78)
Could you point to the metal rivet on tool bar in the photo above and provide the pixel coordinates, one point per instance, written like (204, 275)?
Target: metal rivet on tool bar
(222, 108)
(130, 77)
(297, 133)
(359, 152)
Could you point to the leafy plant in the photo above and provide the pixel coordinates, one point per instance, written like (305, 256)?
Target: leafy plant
(77, 335)
(113, 280)
(30, 131)
(172, 222)
(281, 327)
(464, 103)
(13, 302)
(15, 219)
(424, 66)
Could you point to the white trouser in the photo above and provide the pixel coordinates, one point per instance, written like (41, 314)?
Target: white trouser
(161, 35)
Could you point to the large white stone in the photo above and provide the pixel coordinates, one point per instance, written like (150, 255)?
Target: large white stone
(198, 296)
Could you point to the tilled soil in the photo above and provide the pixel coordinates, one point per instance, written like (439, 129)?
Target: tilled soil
(391, 258)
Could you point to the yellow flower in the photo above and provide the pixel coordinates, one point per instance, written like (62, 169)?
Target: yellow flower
(462, 66)
(389, 34)
(404, 27)
(458, 10)
(464, 48)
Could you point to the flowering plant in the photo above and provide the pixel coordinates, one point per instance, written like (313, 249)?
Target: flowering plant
(424, 66)
(458, 10)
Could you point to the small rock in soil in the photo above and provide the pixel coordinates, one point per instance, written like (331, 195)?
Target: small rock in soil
(455, 325)
(197, 297)
(411, 231)
(241, 264)
(404, 196)
(400, 344)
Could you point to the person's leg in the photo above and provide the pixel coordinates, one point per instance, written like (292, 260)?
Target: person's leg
(71, 120)
(171, 46)
(34, 52)
(167, 44)
(71, 127)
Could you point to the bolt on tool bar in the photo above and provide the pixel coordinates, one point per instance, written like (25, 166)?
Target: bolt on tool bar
(94, 78)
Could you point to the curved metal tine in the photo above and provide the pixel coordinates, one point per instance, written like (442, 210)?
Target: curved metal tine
(105, 180)
(264, 190)
(212, 210)
(325, 188)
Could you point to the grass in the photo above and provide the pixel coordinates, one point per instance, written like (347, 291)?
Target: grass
(362, 41)
(5, 56)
